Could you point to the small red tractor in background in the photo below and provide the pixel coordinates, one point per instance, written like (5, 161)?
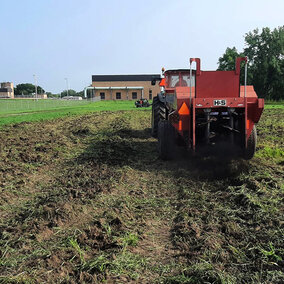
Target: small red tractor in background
(203, 109)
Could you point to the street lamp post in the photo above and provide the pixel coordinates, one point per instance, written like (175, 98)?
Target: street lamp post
(66, 79)
(35, 86)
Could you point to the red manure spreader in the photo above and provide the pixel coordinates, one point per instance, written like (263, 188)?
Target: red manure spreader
(206, 111)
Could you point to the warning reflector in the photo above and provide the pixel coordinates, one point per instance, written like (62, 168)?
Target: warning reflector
(248, 123)
(163, 83)
(180, 125)
(184, 110)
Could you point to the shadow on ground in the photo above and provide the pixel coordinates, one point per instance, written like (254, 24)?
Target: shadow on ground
(137, 149)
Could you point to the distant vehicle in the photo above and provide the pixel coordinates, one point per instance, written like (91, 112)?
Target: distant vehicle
(142, 103)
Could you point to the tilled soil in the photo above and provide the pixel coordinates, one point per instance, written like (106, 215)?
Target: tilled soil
(87, 200)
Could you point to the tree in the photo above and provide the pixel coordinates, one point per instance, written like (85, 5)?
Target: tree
(80, 94)
(265, 52)
(227, 61)
(70, 93)
(51, 95)
(27, 89)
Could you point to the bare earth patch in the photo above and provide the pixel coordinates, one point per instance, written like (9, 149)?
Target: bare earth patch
(86, 200)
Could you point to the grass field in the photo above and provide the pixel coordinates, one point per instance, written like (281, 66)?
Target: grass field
(16, 111)
(85, 199)
(29, 105)
(272, 104)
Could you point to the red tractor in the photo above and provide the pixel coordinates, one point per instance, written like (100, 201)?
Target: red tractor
(204, 109)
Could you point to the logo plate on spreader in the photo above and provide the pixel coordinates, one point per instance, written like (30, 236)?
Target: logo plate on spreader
(220, 102)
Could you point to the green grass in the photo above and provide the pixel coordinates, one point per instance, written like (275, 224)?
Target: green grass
(269, 152)
(123, 264)
(17, 111)
(26, 110)
(8, 106)
(273, 104)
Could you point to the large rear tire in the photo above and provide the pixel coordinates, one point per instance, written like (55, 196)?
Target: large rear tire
(251, 145)
(158, 113)
(166, 140)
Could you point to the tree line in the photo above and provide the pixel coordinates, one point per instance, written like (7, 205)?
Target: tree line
(265, 52)
(29, 89)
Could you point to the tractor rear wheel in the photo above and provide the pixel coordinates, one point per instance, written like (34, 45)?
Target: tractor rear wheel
(251, 145)
(158, 113)
(166, 140)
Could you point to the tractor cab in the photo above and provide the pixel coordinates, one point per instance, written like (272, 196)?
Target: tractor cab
(178, 78)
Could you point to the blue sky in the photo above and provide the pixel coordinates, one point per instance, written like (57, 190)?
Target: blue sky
(76, 39)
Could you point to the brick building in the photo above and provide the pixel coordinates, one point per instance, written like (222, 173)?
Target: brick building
(7, 90)
(125, 87)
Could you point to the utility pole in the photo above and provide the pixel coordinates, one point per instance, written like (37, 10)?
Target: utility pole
(66, 79)
(35, 86)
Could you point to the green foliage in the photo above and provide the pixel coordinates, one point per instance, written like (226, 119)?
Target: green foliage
(270, 253)
(227, 61)
(70, 93)
(51, 95)
(123, 264)
(80, 94)
(271, 152)
(129, 264)
(27, 89)
(130, 239)
(98, 264)
(74, 244)
(265, 52)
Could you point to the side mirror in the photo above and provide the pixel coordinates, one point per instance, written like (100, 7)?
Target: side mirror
(153, 82)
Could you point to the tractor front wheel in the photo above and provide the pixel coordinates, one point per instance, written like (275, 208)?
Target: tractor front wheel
(251, 145)
(166, 140)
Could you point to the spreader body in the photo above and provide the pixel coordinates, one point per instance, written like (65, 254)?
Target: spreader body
(207, 109)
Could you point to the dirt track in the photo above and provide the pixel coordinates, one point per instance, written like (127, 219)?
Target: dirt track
(86, 199)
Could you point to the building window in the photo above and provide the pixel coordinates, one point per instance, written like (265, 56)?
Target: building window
(118, 96)
(103, 96)
(150, 94)
(134, 95)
